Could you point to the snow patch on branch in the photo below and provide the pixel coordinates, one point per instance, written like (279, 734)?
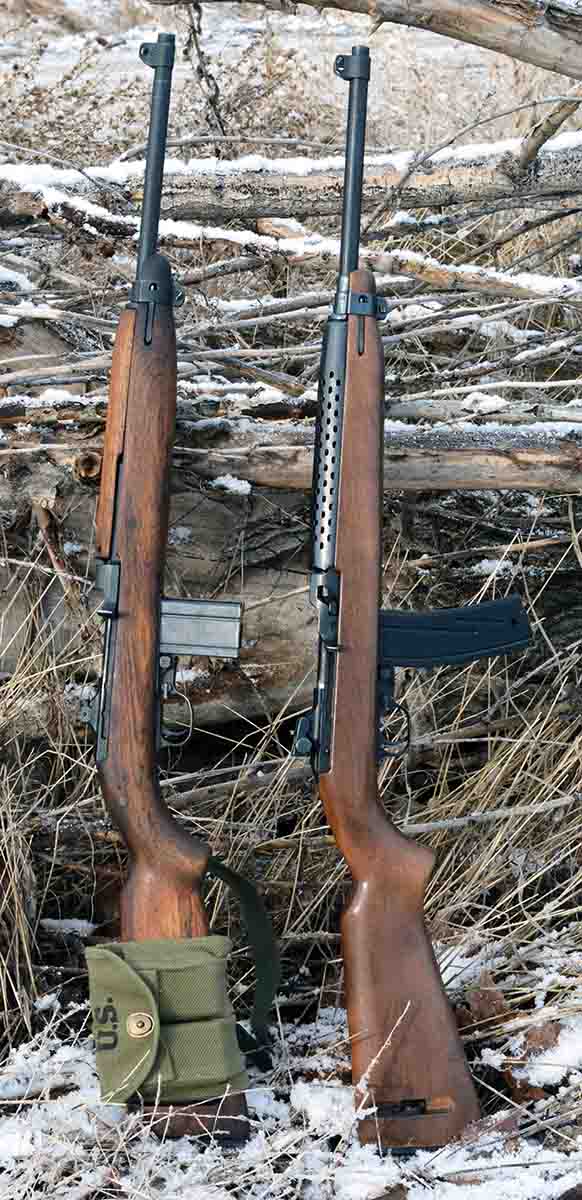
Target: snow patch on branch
(8, 275)
(229, 483)
(33, 177)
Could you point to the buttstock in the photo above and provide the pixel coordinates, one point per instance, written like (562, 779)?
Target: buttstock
(407, 1056)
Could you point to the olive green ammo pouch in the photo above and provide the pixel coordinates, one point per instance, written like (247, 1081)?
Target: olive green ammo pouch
(163, 1024)
(162, 1021)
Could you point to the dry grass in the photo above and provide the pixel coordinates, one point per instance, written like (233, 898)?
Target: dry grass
(503, 908)
(499, 743)
(505, 738)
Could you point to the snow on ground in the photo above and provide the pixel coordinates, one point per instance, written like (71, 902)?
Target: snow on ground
(57, 1138)
(230, 483)
(56, 1134)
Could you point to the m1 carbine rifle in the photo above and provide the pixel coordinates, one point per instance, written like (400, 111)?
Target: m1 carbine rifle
(407, 1059)
(164, 1029)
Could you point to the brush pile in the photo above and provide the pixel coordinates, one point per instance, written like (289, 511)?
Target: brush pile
(483, 465)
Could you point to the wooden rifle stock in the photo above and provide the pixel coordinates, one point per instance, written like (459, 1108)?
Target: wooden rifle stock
(407, 1058)
(161, 897)
(161, 900)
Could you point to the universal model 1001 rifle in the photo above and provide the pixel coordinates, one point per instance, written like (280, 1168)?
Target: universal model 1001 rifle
(407, 1060)
(164, 1029)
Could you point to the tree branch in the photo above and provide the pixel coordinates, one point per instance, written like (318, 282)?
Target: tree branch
(547, 34)
(547, 127)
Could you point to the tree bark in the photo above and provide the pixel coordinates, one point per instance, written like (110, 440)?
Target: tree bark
(546, 33)
(278, 455)
(513, 463)
(455, 176)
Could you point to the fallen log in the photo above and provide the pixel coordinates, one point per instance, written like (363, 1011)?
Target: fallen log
(468, 174)
(471, 278)
(415, 462)
(265, 405)
(546, 33)
(206, 190)
(238, 529)
(542, 456)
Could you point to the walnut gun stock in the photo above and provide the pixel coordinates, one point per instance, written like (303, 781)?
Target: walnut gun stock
(161, 903)
(407, 1059)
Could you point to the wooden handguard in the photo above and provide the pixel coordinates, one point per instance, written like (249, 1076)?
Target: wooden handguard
(407, 1058)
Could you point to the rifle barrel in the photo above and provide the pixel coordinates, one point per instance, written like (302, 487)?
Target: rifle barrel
(159, 55)
(358, 73)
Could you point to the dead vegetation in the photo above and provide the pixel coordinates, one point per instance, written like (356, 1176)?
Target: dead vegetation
(492, 779)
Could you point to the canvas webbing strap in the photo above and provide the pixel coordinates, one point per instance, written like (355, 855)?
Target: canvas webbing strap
(265, 951)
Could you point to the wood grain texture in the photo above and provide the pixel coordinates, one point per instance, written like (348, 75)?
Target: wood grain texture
(162, 895)
(114, 430)
(503, 461)
(404, 1039)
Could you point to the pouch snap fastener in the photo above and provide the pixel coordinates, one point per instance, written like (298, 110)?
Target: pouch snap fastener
(139, 1024)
